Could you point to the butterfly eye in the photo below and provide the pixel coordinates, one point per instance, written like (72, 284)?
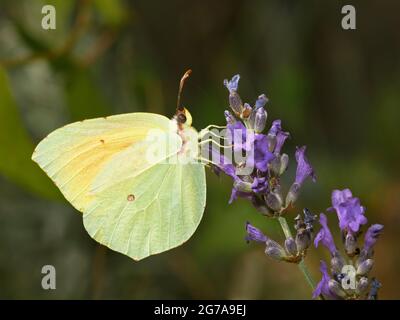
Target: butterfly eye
(181, 118)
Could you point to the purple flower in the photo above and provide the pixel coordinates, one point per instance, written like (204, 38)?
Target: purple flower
(339, 197)
(228, 169)
(222, 164)
(230, 119)
(235, 102)
(233, 84)
(280, 140)
(349, 210)
(237, 136)
(260, 185)
(241, 189)
(254, 234)
(262, 156)
(304, 169)
(279, 136)
(371, 236)
(324, 235)
(235, 194)
(275, 128)
(261, 101)
(255, 145)
(323, 286)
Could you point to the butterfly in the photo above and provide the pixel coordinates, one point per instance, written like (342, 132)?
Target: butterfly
(133, 176)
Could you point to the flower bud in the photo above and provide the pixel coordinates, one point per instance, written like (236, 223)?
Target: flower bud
(337, 263)
(260, 120)
(271, 139)
(261, 101)
(364, 255)
(235, 102)
(303, 239)
(362, 285)
(234, 99)
(275, 250)
(290, 246)
(284, 163)
(255, 234)
(246, 112)
(371, 237)
(230, 119)
(293, 194)
(279, 164)
(259, 204)
(336, 289)
(309, 219)
(274, 201)
(299, 222)
(242, 186)
(365, 267)
(275, 166)
(375, 286)
(350, 244)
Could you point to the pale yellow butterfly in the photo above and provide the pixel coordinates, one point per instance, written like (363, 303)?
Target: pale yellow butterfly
(134, 200)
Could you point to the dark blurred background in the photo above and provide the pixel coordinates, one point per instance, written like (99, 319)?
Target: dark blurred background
(336, 91)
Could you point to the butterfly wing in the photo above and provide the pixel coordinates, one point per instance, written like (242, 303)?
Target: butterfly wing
(74, 155)
(152, 212)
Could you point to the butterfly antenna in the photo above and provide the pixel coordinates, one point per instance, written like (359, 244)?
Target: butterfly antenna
(181, 84)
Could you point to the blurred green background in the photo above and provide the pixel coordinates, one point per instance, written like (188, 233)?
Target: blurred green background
(336, 91)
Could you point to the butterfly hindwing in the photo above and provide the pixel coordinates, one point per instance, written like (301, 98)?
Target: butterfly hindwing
(152, 212)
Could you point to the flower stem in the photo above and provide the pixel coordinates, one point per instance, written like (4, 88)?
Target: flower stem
(303, 268)
(285, 227)
(306, 273)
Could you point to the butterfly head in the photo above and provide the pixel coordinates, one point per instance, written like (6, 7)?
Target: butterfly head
(183, 117)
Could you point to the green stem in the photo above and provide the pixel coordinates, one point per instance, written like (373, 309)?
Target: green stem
(285, 227)
(306, 273)
(303, 268)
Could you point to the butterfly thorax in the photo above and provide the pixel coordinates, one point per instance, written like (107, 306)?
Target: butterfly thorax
(188, 134)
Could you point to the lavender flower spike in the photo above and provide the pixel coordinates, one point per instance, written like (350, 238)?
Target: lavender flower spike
(255, 234)
(325, 236)
(371, 236)
(349, 210)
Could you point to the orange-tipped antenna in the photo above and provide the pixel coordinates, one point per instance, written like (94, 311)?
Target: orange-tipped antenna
(181, 84)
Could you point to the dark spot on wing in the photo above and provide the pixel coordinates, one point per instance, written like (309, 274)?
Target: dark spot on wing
(102, 141)
(131, 197)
